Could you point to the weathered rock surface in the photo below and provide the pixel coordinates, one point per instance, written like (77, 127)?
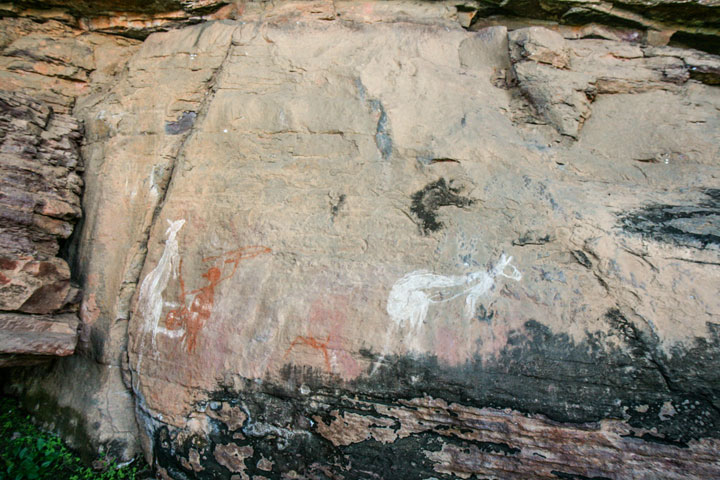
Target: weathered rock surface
(39, 168)
(561, 79)
(307, 229)
(53, 63)
(28, 339)
(40, 203)
(694, 23)
(44, 67)
(360, 241)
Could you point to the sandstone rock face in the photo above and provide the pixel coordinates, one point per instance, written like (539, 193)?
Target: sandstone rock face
(44, 67)
(404, 250)
(356, 240)
(28, 339)
(692, 23)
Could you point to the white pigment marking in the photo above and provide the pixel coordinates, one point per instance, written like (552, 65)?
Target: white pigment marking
(411, 296)
(150, 299)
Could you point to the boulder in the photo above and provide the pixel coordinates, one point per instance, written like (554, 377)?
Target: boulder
(32, 339)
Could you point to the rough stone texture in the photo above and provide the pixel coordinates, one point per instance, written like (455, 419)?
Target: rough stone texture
(29, 339)
(54, 63)
(306, 226)
(40, 203)
(694, 23)
(39, 166)
(44, 66)
(297, 239)
(561, 79)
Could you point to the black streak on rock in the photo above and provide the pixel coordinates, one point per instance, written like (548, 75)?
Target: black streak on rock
(575, 476)
(483, 314)
(532, 239)
(591, 380)
(426, 202)
(691, 225)
(582, 258)
(337, 205)
(182, 124)
(382, 134)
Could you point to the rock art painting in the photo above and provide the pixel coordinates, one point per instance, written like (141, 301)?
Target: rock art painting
(315, 344)
(188, 318)
(191, 319)
(411, 296)
(150, 299)
(325, 335)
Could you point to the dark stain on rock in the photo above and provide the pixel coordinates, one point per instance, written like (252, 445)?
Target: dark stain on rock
(383, 140)
(575, 476)
(184, 123)
(426, 202)
(483, 314)
(382, 134)
(337, 204)
(582, 258)
(590, 380)
(532, 238)
(690, 225)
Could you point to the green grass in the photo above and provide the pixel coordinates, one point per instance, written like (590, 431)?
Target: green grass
(26, 452)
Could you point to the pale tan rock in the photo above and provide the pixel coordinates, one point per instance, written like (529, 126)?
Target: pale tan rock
(45, 65)
(315, 178)
(563, 98)
(298, 238)
(539, 45)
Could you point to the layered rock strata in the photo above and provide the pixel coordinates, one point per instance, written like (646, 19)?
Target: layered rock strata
(691, 23)
(44, 67)
(314, 237)
(322, 246)
(41, 188)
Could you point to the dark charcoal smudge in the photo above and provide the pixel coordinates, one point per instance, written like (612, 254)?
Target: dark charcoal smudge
(582, 258)
(336, 206)
(686, 225)
(426, 202)
(575, 476)
(530, 239)
(590, 381)
(182, 124)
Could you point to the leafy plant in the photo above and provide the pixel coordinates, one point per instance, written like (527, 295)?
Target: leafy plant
(28, 453)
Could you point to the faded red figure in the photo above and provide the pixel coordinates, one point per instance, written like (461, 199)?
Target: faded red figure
(193, 318)
(326, 320)
(315, 344)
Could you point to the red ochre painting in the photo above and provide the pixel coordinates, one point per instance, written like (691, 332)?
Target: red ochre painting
(193, 318)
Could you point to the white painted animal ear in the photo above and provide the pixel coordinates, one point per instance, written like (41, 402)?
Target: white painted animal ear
(175, 226)
(516, 275)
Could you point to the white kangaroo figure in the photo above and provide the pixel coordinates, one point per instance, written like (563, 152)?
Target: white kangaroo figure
(150, 299)
(411, 296)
